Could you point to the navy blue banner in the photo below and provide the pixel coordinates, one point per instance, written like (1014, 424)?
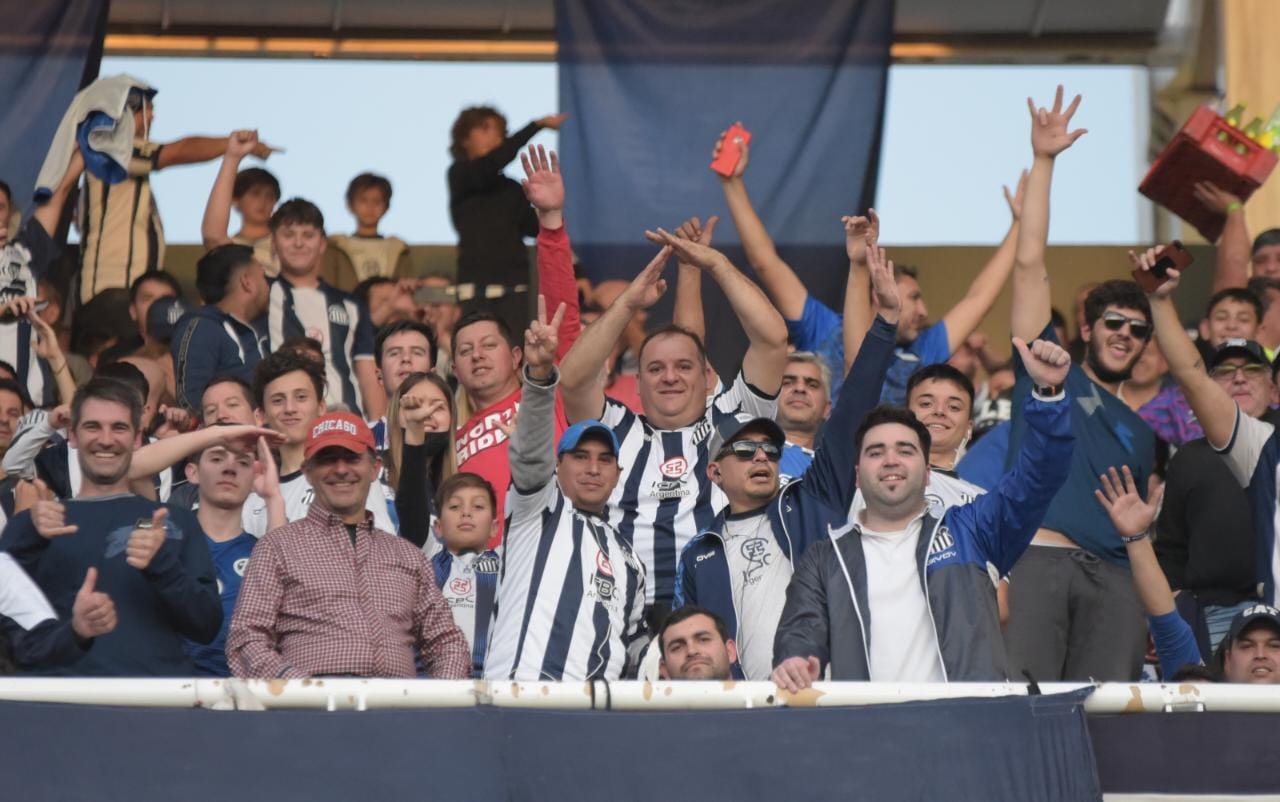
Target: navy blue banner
(49, 49)
(1014, 748)
(650, 84)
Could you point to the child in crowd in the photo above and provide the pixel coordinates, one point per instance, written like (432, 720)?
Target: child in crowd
(254, 196)
(467, 572)
(366, 253)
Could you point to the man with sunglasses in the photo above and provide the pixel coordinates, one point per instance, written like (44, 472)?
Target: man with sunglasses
(1073, 610)
(740, 566)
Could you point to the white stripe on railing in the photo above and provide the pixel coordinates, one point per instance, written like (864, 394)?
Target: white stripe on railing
(365, 694)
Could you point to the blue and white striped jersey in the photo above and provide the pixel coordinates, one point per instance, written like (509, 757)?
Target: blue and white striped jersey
(664, 497)
(24, 260)
(570, 593)
(469, 583)
(329, 315)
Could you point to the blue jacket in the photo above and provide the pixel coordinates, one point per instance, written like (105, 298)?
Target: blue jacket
(827, 613)
(805, 508)
(208, 343)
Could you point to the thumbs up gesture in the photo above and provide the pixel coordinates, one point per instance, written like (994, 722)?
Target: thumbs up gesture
(93, 613)
(48, 514)
(145, 540)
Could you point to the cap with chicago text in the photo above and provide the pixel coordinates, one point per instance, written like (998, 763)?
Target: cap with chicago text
(340, 429)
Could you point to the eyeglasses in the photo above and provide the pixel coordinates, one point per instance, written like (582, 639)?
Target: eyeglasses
(1252, 370)
(746, 449)
(1114, 321)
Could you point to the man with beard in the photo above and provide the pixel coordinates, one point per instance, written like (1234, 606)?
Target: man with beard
(804, 402)
(1073, 611)
(695, 644)
(152, 560)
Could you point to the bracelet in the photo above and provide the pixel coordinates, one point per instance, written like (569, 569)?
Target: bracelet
(1234, 206)
(1135, 538)
(60, 368)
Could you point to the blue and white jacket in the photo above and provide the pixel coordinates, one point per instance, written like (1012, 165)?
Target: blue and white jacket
(802, 512)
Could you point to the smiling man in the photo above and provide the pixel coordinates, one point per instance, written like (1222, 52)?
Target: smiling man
(332, 594)
(151, 559)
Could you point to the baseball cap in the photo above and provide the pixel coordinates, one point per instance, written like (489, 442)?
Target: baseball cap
(731, 427)
(1237, 347)
(574, 434)
(1250, 616)
(163, 316)
(341, 429)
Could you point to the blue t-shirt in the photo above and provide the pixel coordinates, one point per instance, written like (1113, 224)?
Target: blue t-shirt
(230, 559)
(983, 463)
(820, 330)
(795, 461)
(1108, 434)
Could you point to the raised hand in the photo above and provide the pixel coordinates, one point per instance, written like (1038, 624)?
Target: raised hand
(1047, 363)
(174, 420)
(1049, 134)
(1014, 199)
(1215, 197)
(693, 230)
(266, 476)
(93, 613)
(242, 143)
(796, 673)
(60, 417)
(48, 513)
(743, 148)
(146, 539)
(1119, 497)
(687, 251)
(647, 287)
(552, 121)
(883, 283)
(47, 347)
(1146, 261)
(859, 233)
(543, 185)
(541, 340)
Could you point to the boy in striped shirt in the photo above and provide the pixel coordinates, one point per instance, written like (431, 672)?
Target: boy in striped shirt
(571, 591)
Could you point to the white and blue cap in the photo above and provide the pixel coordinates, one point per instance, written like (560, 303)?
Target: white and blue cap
(729, 429)
(574, 434)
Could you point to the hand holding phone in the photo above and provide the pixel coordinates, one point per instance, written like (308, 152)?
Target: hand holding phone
(726, 161)
(1171, 257)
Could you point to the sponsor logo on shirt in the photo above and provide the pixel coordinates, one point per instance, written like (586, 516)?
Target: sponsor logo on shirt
(756, 552)
(239, 565)
(675, 467)
(603, 566)
(460, 585)
(676, 488)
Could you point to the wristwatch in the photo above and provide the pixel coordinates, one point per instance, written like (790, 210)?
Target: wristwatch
(1047, 390)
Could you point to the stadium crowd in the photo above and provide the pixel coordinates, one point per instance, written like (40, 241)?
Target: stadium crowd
(332, 466)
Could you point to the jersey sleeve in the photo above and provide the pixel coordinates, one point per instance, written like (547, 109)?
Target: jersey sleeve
(816, 322)
(743, 397)
(932, 345)
(362, 348)
(1251, 440)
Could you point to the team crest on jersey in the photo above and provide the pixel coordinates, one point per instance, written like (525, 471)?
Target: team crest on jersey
(239, 565)
(486, 564)
(941, 546)
(675, 467)
(338, 315)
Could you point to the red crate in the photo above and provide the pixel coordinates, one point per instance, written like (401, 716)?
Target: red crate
(1197, 154)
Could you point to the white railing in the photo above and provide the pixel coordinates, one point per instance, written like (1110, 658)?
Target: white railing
(361, 694)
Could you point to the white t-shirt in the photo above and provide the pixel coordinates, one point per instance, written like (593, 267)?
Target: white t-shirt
(760, 573)
(904, 645)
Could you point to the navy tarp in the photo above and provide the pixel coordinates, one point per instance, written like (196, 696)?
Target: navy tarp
(49, 49)
(1013, 748)
(649, 85)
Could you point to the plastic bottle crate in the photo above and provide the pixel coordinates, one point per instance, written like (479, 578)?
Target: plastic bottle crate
(1197, 154)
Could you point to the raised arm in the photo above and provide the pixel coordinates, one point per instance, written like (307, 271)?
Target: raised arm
(1132, 518)
(1234, 251)
(1214, 407)
(860, 234)
(779, 280)
(532, 445)
(832, 476)
(582, 369)
(155, 457)
(544, 188)
(766, 330)
(215, 228)
(1049, 136)
(969, 311)
(49, 213)
(688, 306)
(196, 149)
(471, 176)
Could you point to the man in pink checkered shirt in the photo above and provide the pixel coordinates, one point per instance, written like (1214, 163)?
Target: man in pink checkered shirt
(329, 595)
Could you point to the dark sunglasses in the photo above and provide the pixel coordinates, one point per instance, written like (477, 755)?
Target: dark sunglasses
(1114, 321)
(746, 449)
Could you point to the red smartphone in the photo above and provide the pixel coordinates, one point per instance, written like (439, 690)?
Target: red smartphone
(730, 151)
(1173, 257)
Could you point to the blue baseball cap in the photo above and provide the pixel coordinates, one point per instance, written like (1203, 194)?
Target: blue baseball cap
(574, 434)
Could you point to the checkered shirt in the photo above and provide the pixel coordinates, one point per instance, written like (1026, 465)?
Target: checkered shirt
(313, 605)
